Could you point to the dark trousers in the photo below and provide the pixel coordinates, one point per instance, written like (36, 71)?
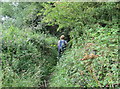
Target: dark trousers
(60, 52)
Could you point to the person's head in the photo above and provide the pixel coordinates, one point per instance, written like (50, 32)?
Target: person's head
(62, 37)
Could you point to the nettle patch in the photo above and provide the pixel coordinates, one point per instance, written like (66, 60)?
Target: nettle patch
(98, 72)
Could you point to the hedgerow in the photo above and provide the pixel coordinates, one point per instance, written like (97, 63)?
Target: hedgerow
(26, 57)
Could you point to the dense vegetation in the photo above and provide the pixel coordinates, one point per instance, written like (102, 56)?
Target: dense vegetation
(29, 44)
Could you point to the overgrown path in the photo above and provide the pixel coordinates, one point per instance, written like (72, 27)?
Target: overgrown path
(46, 79)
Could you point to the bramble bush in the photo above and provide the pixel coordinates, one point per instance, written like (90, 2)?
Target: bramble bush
(86, 23)
(29, 51)
(27, 57)
(99, 72)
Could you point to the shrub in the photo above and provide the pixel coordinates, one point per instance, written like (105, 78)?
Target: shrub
(26, 57)
(98, 72)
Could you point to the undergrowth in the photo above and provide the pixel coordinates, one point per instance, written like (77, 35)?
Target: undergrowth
(27, 57)
(99, 72)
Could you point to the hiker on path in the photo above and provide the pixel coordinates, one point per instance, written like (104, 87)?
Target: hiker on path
(61, 45)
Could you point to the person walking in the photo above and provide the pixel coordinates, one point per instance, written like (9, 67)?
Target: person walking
(61, 45)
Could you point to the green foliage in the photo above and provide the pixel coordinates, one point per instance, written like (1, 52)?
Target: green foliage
(22, 14)
(1, 75)
(100, 72)
(29, 51)
(89, 22)
(26, 57)
(78, 17)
